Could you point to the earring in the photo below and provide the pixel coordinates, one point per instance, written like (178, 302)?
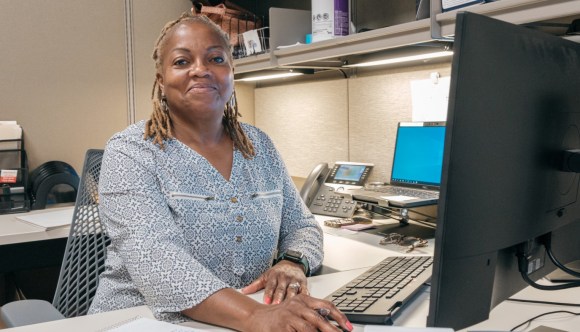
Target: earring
(164, 106)
(233, 101)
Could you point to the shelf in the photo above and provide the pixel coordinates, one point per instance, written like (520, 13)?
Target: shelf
(364, 42)
(515, 11)
(328, 52)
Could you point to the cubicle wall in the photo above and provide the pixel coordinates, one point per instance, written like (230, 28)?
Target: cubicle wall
(340, 119)
(307, 121)
(76, 71)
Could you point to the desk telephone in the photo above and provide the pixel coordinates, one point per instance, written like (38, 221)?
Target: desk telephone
(324, 190)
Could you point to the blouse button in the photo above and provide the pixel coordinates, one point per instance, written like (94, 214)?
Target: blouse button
(234, 200)
(239, 218)
(239, 238)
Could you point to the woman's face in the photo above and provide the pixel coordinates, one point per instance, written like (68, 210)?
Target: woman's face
(196, 71)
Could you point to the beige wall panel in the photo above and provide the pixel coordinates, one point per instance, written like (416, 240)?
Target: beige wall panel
(149, 17)
(307, 121)
(376, 104)
(245, 97)
(63, 75)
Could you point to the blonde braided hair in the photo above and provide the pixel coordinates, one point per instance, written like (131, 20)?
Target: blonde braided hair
(158, 127)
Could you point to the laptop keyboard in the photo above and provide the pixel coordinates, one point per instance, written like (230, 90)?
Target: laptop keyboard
(396, 191)
(375, 296)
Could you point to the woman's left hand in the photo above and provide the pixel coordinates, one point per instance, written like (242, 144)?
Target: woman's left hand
(281, 281)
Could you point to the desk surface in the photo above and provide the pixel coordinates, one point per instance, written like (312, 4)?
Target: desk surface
(13, 230)
(349, 253)
(504, 317)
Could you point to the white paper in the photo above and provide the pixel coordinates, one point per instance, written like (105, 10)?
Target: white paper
(10, 130)
(383, 328)
(149, 325)
(50, 220)
(286, 46)
(398, 198)
(430, 99)
(252, 42)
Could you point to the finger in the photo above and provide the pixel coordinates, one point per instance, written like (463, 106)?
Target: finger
(319, 319)
(304, 288)
(255, 286)
(269, 288)
(293, 289)
(338, 317)
(279, 293)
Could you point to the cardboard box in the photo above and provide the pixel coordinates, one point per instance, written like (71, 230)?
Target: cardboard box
(330, 18)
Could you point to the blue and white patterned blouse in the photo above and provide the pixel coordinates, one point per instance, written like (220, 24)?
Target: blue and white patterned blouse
(181, 232)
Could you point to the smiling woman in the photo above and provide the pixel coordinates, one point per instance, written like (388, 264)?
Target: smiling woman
(198, 204)
(159, 126)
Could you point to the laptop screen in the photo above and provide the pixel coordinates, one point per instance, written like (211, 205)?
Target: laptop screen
(418, 157)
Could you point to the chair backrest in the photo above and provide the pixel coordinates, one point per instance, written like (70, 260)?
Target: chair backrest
(85, 250)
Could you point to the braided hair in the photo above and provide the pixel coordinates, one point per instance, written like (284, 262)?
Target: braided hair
(158, 127)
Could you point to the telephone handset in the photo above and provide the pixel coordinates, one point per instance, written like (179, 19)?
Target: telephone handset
(323, 189)
(313, 182)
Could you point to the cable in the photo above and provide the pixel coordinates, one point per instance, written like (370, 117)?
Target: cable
(545, 314)
(522, 266)
(549, 287)
(560, 265)
(545, 302)
(547, 241)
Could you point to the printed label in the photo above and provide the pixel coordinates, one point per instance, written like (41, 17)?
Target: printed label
(8, 175)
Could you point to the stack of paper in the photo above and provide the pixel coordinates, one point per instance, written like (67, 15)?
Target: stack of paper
(10, 133)
(50, 220)
(141, 324)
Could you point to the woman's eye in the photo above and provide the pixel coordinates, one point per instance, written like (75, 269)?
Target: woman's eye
(180, 62)
(218, 59)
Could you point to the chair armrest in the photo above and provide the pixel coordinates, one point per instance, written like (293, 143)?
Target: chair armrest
(26, 312)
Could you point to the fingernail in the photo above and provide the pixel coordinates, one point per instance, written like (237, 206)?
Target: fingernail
(349, 325)
(277, 302)
(267, 300)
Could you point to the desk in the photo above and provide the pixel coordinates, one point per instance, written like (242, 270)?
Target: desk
(503, 317)
(25, 247)
(343, 253)
(14, 231)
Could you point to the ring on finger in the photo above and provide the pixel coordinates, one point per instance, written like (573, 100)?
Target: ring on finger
(295, 286)
(323, 312)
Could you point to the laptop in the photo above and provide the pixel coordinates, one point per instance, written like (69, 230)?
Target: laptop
(416, 173)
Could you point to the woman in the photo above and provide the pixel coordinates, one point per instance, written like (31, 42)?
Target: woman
(197, 204)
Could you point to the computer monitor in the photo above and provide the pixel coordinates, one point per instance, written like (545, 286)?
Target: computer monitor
(514, 108)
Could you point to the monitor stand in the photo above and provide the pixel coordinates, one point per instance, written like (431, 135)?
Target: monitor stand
(405, 226)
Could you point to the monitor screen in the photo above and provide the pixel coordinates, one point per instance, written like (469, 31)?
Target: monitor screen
(418, 153)
(514, 108)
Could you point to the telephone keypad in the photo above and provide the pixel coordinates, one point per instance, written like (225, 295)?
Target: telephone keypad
(333, 204)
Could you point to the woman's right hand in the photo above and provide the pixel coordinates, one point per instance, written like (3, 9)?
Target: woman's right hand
(299, 313)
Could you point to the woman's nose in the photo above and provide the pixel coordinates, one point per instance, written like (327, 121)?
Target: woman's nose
(198, 68)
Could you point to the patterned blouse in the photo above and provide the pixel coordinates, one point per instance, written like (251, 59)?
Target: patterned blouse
(180, 231)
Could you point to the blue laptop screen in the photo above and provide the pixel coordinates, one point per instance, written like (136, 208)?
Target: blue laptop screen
(418, 155)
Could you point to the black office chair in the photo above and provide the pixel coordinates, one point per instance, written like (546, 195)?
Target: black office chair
(83, 260)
